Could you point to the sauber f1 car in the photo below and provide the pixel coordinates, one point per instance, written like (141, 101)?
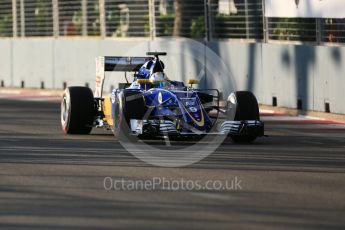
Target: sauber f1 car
(153, 105)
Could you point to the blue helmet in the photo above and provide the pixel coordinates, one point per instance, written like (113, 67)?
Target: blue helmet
(149, 68)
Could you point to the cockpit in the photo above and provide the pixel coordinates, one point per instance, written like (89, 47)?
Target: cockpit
(152, 75)
(160, 80)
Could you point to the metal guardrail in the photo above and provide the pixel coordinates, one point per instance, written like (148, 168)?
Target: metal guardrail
(120, 18)
(292, 29)
(180, 18)
(333, 30)
(210, 19)
(237, 19)
(127, 18)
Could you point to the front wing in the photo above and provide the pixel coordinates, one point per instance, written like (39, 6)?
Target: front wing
(167, 128)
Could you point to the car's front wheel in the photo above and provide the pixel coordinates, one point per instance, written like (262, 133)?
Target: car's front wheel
(77, 110)
(129, 105)
(243, 106)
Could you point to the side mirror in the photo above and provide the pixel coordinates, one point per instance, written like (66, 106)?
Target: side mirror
(193, 82)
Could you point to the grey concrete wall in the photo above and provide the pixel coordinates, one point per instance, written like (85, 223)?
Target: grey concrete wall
(32, 62)
(6, 61)
(312, 74)
(329, 80)
(315, 75)
(74, 62)
(244, 62)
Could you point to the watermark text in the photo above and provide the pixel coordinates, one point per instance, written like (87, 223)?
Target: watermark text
(161, 183)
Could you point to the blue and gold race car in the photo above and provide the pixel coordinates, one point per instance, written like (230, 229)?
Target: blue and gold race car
(153, 105)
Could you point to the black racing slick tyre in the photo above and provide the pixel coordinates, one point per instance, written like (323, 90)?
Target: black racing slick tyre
(129, 105)
(77, 110)
(247, 108)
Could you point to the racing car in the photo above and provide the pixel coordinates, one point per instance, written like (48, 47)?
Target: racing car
(153, 105)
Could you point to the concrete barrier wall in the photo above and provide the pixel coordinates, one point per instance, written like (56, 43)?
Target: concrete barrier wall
(310, 76)
(296, 75)
(244, 62)
(6, 62)
(33, 62)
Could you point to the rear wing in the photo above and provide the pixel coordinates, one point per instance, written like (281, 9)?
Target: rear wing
(116, 64)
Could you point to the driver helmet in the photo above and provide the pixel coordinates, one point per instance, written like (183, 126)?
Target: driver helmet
(159, 79)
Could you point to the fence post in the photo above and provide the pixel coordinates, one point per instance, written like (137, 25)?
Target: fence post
(56, 24)
(208, 12)
(319, 31)
(247, 18)
(102, 18)
(22, 18)
(264, 23)
(14, 18)
(84, 17)
(152, 19)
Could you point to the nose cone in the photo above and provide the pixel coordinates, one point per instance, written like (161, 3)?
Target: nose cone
(157, 97)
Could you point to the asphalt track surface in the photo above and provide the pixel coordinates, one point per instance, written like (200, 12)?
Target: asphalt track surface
(294, 179)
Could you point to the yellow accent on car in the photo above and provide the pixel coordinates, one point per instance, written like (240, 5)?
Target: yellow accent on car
(200, 123)
(144, 81)
(193, 82)
(157, 81)
(107, 111)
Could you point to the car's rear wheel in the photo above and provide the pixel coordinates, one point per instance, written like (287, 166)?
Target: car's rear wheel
(77, 110)
(245, 107)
